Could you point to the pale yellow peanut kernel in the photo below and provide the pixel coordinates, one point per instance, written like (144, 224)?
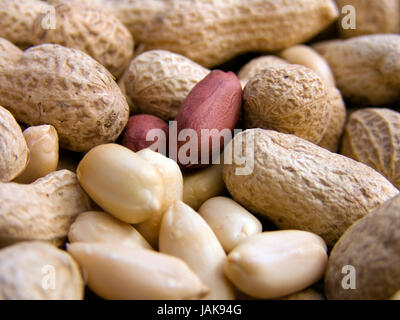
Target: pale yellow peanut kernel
(202, 185)
(230, 222)
(42, 142)
(122, 183)
(118, 272)
(185, 234)
(97, 226)
(278, 263)
(173, 182)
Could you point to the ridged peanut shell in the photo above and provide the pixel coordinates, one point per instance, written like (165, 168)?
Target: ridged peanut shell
(366, 68)
(90, 29)
(371, 246)
(38, 271)
(66, 88)
(211, 32)
(43, 210)
(158, 81)
(298, 185)
(136, 15)
(17, 19)
(14, 152)
(9, 53)
(372, 137)
(308, 57)
(290, 99)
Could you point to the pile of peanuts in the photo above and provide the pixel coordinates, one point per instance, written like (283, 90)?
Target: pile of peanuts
(110, 185)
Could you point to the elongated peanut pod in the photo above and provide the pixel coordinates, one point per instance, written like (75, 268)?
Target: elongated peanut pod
(43, 210)
(185, 234)
(64, 87)
(299, 185)
(96, 226)
(43, 147)
(122, 183)
(117, 272)
(197, 28)
(366, 68)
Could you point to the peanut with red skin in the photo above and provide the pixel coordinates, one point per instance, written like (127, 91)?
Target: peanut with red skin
(135, 134)
(214, 103)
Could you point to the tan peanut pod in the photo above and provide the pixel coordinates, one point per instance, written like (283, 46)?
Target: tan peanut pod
(366, 68)
(42, 142)
(17, 18)
(371, 136)
(308, 57)
(9, 53)
(118, 272)
(201, 185)
(66, 88)
(334, 131)
(39, 271)
(43, 210)
(290, 99)
(254, 66)
(202, 30)
(90, 29)
(14, 153)
(367, 254)
(136, 15)
(158, 81)
(122, 183)
(173, 181)
(97, 226)
(275, 264)
(185, 234)
(371, 17)
(299, 185)
(231, 223)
